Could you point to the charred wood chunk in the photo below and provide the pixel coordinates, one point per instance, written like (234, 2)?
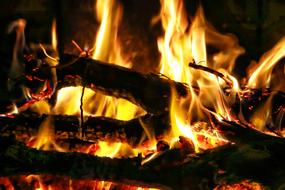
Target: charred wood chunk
(259, 158)
(150, 91)
(132, 132)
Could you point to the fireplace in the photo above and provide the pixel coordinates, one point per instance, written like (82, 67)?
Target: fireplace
(137, 95)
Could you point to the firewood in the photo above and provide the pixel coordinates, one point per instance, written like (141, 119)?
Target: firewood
(258, 157)
(152, 92)
(96, 128)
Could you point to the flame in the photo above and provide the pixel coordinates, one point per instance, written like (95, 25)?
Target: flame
(260, 77)
(19, 27)
(262, 115)
(174, 46)
(182, 44)
(45, 139)
(107, 48)
(41, 107)
(13, 110)
(117, 150)
(53, 35)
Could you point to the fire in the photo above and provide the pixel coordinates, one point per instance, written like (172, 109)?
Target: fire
(262, 115)
(261, 75)
(107, 46)
(69, 99)
(184, 43)
(53, 35)
(184, 58)
(19, 27)
(45, 140)
(107, 49)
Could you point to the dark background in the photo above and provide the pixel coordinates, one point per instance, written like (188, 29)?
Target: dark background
(258, 24)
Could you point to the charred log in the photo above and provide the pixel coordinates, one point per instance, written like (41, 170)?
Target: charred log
(132, 132)
(251, 100)
(150, 91)
(256, 157)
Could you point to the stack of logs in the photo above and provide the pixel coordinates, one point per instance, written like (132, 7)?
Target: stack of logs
(250, 155)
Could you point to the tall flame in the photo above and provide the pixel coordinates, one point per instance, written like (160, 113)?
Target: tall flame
(107, 49)
(107, 46)
(182, 44)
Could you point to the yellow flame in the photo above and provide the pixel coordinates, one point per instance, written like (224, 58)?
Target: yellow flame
(198, 39)
(107, 46)
(178, 47)
(262, 115)
(45, 140)
(260, 77)
(53, 35)
(69, 100)
(174, 47)
(41, 107)
(107, 49)
(106, 149)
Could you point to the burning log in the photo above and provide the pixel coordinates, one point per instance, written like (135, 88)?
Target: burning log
(150, 91)
(254, 156)
(132, 132)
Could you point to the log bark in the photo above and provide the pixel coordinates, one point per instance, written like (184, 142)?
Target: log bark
(132, 132)
(152, 92)
(255, 156)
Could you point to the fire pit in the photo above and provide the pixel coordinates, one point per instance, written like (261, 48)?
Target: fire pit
(79, 117)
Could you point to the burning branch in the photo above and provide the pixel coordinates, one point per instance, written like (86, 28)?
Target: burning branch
(212, 71)
(150, 91)
(255, 156)
(96, 128)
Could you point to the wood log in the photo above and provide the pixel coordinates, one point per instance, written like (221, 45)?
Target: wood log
(257, 157)
(152, 92)
(96, 128)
